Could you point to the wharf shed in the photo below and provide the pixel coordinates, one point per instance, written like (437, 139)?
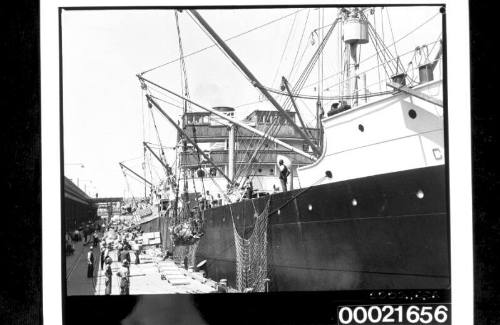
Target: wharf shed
(78, 206)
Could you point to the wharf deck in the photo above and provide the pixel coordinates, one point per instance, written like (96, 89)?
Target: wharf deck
(160, 277)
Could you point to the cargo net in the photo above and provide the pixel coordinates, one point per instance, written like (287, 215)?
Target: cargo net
(183, 251)
(251, 256)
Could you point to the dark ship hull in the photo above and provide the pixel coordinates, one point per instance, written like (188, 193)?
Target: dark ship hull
(323, 240)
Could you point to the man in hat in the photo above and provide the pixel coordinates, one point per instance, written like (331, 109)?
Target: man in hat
(90, 262)
(95, 238)
(249, 190)
(124, 274)
(284, 172)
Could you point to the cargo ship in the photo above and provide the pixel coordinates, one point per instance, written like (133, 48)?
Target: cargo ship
(366, 203)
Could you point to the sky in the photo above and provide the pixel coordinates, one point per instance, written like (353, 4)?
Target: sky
(105, 117)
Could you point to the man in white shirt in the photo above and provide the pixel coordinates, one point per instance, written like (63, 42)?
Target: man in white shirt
(284, 172)
(90, 262)
(208, 200)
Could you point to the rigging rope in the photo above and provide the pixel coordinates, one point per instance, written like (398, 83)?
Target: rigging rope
(227, 39)
(392, 33)
(184, 78)
(373, 55)
(252, 252)
(128, 184)
(300, 43)
(156, 88)
(305, 74)
(379, 52)
(333, 85)
(284, 49)
(378, 61)
(143, 140)
(220, 48)
(162, 153)
(271, 129)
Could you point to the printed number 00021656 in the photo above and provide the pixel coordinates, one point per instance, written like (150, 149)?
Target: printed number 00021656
(394, 314)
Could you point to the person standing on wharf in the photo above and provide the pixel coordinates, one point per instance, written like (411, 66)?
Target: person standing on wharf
(90, 262)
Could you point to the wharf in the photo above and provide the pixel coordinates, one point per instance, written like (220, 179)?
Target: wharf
(156, 277)
(77, 282)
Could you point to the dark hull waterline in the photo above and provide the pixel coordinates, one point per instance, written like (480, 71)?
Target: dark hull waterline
(380, 232)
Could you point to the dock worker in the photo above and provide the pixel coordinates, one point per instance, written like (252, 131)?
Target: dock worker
(103, 256)
(109, 275)
(90, 262)
(85, 235)
(284, 172)
(208, 200)
(137, 259)
(107, 251)
(249, 190)
(124, 274)
(95, 238)
(215, 201)
(119, 253)
(125, 255)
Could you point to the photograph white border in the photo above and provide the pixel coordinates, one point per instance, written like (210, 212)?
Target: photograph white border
(459, 141)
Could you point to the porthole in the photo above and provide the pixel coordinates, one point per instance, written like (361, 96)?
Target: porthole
(412, 113)
(361, 128)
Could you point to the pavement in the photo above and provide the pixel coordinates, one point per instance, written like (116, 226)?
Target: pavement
(77, 283)
(155, 278)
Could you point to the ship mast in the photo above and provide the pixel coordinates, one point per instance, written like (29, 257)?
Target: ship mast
(185, 136)
(134, 173)
(184, 81)
(319, 103)
(286, 87)
(167, 168)
(355, 33)
(231, 146)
